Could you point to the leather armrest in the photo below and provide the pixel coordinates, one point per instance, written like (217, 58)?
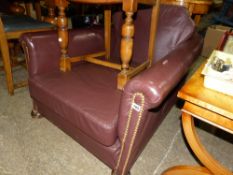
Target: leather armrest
(157, 81)
(43, 52)
(149, 90)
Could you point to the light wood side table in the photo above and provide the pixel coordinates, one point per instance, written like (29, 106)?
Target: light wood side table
(211, 107)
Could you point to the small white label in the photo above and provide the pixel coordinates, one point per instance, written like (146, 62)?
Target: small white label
(165, 62)
(136, 107)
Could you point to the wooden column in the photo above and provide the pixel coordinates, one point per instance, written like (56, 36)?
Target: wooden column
(127, 41)
(153, 31)
(6, 59)
(62, 24)
(28, 8)
(129, 7)
(51, 18)
(107, 32)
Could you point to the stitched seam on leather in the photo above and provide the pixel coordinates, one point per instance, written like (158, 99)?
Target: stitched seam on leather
(126, 132)
(135, 129)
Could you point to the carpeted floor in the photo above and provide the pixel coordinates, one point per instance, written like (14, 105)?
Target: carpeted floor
(37, 147)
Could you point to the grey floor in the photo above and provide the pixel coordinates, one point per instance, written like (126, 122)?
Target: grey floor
(37, 147)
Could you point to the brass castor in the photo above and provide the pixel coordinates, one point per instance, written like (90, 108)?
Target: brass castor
(35, 114)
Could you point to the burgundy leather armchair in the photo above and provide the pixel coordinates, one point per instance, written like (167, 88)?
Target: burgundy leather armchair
(114, 125)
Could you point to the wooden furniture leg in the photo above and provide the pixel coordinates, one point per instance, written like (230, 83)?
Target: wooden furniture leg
(211, 165)
(197, 19)
(190, 9)
(34, 112)
(107, 32)
(127, 41)
(114, 173)
(62, 24)
(153, 31)
(127, 33)
(187, 170)
(6, 61)
(198, 148)
(38, 10)
(28, 8)
(51, 18)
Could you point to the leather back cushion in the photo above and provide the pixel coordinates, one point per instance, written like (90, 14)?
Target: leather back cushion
(174, 27)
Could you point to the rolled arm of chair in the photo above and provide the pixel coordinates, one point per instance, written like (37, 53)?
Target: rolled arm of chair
(43, 51)
(157, 81)
(146, 91)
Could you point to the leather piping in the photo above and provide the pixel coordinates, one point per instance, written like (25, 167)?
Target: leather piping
(127, 129)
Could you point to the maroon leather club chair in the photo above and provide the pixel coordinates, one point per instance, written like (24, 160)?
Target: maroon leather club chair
(113, 125)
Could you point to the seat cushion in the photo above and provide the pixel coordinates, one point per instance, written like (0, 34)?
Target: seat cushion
(22, 22)
(86, 96)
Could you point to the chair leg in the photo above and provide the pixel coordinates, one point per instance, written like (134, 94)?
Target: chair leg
(34, 112)
(115, 173)
(7, 65)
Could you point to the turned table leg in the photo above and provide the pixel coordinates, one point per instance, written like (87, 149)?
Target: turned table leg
(107, 32)
(211, 166)
(127, 34)
(127, 41)
(38, 9)
(198, 148)
(62, 24)
(34, 112)
(6, 63)
(51, 18)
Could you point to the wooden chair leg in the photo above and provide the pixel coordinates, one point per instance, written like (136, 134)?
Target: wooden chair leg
(114, 173)
(38, 10)
(7, 65)
(12, 53)
(28, 8)
(34, 112)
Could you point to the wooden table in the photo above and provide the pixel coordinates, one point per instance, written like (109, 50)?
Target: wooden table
(129, 7)
(196, 8)
(211, 107)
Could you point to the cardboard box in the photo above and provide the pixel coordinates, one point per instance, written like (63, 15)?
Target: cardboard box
(212, 38)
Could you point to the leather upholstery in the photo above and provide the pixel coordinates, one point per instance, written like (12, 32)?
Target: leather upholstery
(158, 85)
(22, 22)
(92, 116)
(114, 125)
(82, 44)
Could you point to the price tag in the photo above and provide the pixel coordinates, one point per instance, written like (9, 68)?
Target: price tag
(136, 107)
